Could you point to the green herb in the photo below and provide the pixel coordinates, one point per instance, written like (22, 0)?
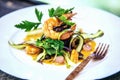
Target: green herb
(28, 25)
(38, 14)
(51, 46)
(51, 12)
(59, 11)
(64, 19)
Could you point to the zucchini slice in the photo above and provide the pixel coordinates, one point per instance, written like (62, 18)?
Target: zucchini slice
(99, 33)
(80, 42)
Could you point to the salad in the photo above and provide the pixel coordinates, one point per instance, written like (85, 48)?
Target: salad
(57, 41)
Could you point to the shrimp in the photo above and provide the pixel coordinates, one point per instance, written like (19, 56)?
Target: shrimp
(54, 22)
(48, 28)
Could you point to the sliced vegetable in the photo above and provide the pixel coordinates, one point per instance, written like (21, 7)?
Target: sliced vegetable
(67, 59)
(17, 46)
(80, 43)
(99, 33)
(41, 56)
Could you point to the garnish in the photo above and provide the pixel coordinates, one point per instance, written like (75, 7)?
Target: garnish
(58, 11)
(65, 20)
(51, 46)
(38, 14)
(57, 41)
(28, 25)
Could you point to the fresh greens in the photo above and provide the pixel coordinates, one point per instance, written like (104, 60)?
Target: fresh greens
(65, 20)
(28, 25)
(51, 46)
(58, 11)
(38, 14)
(51, 12)
(48, 49)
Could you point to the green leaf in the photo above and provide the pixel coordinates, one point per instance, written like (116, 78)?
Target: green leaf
(69, 10)
(51, 12)
(38, 14)
(27, 25)
(50, 51)
(64, 19)
(58, 11)
(51, 46)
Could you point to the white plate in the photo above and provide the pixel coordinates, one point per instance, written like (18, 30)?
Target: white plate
(90, 19)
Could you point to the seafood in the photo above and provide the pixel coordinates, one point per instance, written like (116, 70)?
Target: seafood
(56, 42)
(48, 28)
(53, 22)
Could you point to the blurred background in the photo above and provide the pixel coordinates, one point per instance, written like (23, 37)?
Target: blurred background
(112, 6)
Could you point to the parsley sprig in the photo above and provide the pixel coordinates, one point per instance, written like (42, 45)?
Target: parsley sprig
(58, 12)
(28, 25)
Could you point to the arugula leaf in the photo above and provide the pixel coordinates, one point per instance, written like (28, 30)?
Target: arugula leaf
(28, 25)
(51, 46)
(58, 11)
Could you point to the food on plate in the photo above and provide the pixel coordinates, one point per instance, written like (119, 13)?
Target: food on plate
(57, 41)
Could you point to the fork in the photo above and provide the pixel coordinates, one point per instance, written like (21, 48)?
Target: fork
(98, 54)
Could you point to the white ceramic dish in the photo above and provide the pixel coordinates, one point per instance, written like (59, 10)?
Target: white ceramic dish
(14, 62)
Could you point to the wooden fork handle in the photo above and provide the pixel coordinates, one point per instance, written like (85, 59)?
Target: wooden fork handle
(78, 69)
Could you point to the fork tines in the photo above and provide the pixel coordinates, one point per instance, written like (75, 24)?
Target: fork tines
(101, 50)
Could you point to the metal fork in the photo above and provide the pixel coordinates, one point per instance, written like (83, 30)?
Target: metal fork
(98, 54)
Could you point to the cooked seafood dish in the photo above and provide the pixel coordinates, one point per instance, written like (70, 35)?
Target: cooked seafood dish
(57, 41)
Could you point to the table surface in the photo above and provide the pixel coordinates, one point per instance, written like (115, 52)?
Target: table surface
(7, 6)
